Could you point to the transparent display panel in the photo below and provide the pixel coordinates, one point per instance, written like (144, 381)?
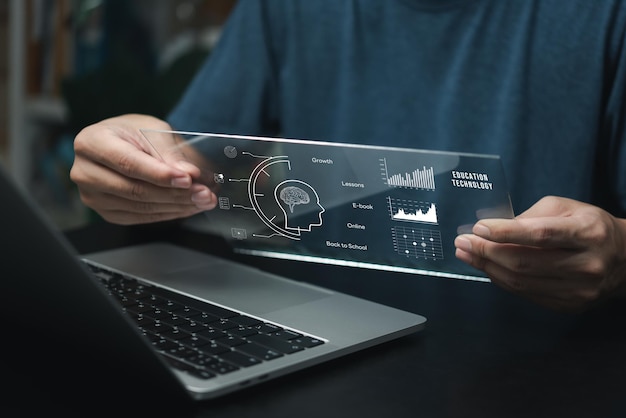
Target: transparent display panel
(366, 206)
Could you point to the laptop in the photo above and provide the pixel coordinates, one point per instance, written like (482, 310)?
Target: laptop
(172, 322)
(74, 332)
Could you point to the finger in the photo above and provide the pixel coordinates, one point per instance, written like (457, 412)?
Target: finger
(128, 160)
(141, 166)
(184, 154)
(97, 178)
(567, 295)
(158, 142)
(121, 200)
(545, 232)
(170, 148)
(124, 211)
(100, 180)
(202, 199)
(554, 262)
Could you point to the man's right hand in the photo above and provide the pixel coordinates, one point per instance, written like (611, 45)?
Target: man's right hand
(118, 177)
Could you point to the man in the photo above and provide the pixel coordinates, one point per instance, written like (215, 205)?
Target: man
(540, 82)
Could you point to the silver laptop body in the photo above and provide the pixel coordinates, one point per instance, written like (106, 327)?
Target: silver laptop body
(67, 335)
(345, 323)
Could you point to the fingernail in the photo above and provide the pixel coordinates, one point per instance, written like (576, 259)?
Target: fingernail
(481, 230)
(181, 182)
(202, 197)
(463, 243)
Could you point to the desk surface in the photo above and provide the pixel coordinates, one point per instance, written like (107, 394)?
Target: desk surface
(484, 352)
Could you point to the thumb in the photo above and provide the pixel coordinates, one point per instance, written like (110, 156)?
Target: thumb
(169, 147)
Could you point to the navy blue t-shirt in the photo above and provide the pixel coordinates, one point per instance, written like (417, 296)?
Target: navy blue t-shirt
(542, 83)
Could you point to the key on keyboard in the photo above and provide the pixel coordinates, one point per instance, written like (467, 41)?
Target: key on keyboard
(195, 336)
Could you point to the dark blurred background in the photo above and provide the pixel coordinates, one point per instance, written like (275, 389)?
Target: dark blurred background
(69, 63)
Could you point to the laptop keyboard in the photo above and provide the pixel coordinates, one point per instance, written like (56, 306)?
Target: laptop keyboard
(197, 337)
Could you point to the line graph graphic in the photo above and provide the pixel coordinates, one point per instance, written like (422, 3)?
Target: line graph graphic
(423, 179)
(412, 211)
(417, 243)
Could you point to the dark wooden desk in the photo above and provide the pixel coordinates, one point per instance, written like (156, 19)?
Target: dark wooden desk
(484, 352)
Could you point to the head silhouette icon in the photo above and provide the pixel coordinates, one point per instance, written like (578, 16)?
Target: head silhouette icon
(300, 204)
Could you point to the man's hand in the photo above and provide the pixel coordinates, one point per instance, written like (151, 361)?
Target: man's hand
(560, 253)
(118, 177)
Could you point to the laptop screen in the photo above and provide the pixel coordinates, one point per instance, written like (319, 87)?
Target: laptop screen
(375, 207)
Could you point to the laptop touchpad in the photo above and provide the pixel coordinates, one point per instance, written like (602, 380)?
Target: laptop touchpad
(212, 278)
(240, 287)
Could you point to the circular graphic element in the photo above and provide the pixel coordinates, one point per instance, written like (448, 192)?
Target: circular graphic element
(230, 151)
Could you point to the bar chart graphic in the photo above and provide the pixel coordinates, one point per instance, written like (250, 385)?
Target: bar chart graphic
(423, 178)
(417, 243)
(407, 210)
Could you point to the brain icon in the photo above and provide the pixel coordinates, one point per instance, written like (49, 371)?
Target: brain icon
(293, 195)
